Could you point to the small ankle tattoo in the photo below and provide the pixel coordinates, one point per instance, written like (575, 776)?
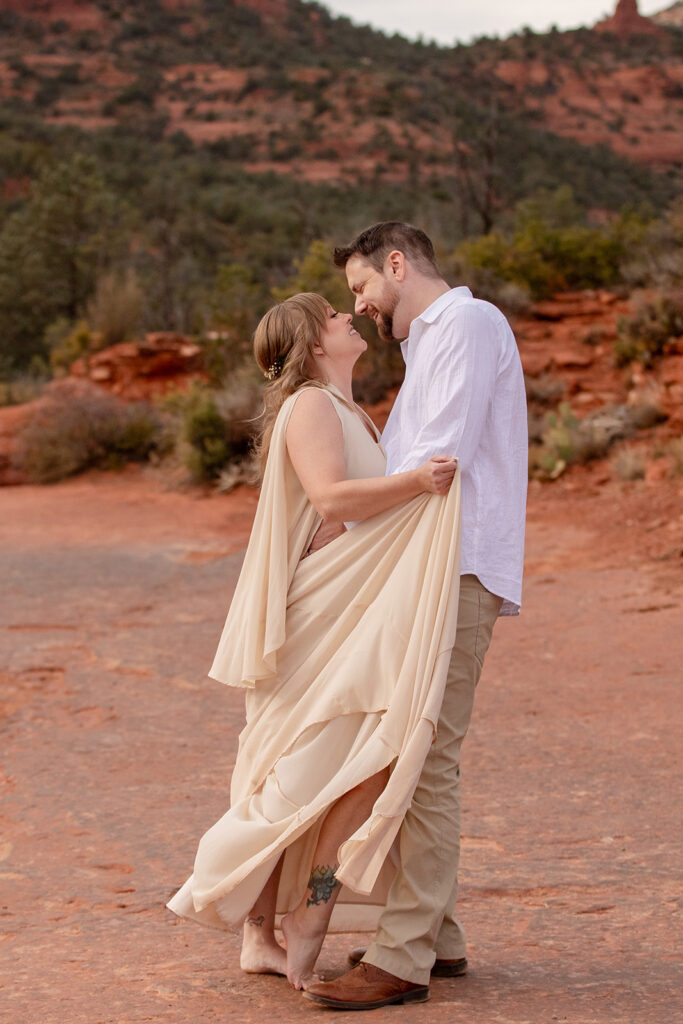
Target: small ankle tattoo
(257, 922)
(322, 884)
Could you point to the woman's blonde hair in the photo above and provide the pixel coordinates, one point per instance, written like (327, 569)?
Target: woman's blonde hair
(283, 347)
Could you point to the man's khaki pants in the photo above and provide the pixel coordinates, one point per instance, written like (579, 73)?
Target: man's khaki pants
(417, 924)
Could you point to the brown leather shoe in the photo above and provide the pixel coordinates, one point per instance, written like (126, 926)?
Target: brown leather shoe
(366, 987)
(441, 968)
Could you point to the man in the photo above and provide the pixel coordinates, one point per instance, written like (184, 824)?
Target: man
(463, 395)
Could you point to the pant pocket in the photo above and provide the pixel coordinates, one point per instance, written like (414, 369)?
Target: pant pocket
(489, 607)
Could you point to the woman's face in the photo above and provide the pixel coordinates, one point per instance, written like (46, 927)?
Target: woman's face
(340, 342)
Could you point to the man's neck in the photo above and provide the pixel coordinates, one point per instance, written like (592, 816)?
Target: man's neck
(427, 292)
(432, 291)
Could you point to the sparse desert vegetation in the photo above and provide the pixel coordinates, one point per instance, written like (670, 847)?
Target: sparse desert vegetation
(162, 170)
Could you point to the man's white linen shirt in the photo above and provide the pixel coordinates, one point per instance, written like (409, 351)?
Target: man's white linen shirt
(464, 395)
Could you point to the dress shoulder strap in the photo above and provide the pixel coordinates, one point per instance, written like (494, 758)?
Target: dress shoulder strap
(368, 419)
(361, 414)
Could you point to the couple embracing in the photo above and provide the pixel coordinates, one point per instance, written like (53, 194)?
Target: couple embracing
(375, 571)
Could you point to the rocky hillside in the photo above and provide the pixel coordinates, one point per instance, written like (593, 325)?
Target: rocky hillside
(670, 16)
(170, 165)
(281, 85)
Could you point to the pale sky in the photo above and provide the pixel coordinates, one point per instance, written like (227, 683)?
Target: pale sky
(448, 20)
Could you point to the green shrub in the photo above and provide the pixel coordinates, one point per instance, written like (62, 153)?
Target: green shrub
(559, 442)
(550, 247)
(315, 272)
(200, 431)
(50, 250)
(205, 432)
(214, 429)
(66, 344)
(115, 310)
(234, 304)
(78, 428)
(656, 258)
(545, 259)
(563, 438)
(643, 337)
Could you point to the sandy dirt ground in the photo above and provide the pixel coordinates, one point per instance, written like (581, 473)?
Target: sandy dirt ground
(117, 752)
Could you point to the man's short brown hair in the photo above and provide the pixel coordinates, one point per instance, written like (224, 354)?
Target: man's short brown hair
(375, 243)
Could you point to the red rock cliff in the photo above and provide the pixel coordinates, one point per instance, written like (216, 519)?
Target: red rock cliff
(627, 21)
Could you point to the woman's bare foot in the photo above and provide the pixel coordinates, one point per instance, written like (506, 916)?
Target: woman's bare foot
(261, 953)
(304, 943)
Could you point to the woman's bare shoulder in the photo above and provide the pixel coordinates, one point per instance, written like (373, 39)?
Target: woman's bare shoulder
(311, 404)
(313, 416)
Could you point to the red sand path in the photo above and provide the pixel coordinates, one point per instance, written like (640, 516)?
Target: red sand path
(117, 751)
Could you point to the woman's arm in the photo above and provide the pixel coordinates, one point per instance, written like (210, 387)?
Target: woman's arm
(315, 443)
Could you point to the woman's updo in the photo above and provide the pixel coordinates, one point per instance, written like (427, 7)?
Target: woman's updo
(283, 346)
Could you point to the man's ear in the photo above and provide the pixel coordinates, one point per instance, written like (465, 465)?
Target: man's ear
(396, 264)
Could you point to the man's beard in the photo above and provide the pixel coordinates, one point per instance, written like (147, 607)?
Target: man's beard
(385, 326)
(385, 317)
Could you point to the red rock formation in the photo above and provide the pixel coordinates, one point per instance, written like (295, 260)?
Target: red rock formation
(137, 370)
(627, 21)
(133, 371)
(569, 341)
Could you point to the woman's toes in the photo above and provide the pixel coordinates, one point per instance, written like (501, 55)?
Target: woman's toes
(312, 979)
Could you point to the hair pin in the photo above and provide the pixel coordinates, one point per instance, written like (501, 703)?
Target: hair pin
(274, 370)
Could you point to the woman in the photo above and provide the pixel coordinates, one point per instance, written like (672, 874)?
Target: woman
(343, 652)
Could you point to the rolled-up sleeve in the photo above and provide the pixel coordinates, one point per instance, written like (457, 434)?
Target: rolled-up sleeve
(457, 384)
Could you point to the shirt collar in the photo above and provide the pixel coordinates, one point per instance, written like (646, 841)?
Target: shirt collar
(453, 297)
(450, 298)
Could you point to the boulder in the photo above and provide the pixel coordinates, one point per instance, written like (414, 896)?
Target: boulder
(139, 370)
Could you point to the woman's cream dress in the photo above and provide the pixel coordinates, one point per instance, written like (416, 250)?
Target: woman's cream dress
(343, 654)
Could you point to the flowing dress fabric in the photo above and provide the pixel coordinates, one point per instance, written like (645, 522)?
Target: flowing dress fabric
(343, 654)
